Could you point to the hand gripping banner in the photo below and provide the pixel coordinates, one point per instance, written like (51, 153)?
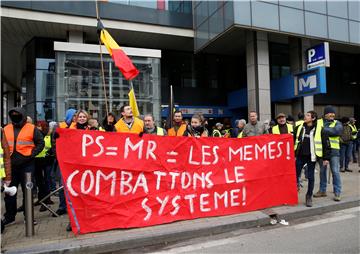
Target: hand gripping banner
(118, 180)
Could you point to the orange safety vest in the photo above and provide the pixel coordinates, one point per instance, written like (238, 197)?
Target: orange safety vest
(63, 125)
(137, 126)
(179, 132)
(25, 139)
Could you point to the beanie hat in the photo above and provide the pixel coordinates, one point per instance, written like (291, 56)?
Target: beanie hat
(329, 109)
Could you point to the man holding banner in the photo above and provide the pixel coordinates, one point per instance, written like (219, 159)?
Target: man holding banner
(129, 123)
(151, 128)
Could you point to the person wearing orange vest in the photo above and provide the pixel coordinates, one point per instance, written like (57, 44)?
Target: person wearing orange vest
(5, 165)
(128, 123)
(69, 120)
(25, 142)
(179, 126)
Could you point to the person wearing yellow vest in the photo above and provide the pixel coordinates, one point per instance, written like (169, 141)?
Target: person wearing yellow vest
(5, 164)
(179, 126)
(354, 140)
(310, 144)
(300, 119)
(151, 128)
(128, 123)
(217, 130)
(282, 126)
(333, 130)
(25, 142)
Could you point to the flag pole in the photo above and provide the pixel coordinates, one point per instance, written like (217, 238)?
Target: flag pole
(171, 106)
(102, 62)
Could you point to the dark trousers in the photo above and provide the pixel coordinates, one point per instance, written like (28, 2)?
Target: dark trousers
(300, 162)
(43, 168)
(18, 177)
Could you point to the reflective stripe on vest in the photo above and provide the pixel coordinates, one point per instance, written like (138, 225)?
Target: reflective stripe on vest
(47, 147)
(276, 129)
(317, 139)
(25, 139)
(160, 131)
(2, 166)
(218, 132)
(353, 131)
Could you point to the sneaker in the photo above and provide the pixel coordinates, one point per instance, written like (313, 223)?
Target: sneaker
(348, 170)
(6, 221)
(337, 197)
(320, 194)
(308, 202)
(20, 209)
(60, 212)
(342, 170)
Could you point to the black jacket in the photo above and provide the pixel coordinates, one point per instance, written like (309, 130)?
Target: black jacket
(325, 143)
(17, 159)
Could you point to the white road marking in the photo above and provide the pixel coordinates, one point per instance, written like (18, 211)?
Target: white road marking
(324, 221)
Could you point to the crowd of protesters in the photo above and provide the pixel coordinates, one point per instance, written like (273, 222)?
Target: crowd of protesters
(32, 148)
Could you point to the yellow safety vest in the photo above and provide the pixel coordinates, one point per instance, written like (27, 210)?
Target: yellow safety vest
(334, 141)
(353, 130)
(218, 132)
(160, 131)
(240, 135)
(297, 123)
(317, 139)
(2, 166)
(47, 147)
(276, 129)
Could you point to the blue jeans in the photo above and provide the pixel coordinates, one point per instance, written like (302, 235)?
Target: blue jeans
(345, 155)
(353, 150)
(310, 171)
(335, 168)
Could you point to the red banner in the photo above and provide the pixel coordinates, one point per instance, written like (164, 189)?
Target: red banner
(115, 180)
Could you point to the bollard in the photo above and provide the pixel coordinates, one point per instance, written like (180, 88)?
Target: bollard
(29, 207)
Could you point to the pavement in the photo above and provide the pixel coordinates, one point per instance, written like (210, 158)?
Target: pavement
(51, 236)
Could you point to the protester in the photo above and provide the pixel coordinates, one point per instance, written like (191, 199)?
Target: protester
(151, 128)
(282, 126)
(345, 145)
(354, 140)
(69, 120)
(310, 143)
(254, 127)
(290, 120)
(5, 165)
(28, 143)
(217, 130)
(300, 119)
(52, 152)
(109, 122)
(239, 126)
(43, 165)
(333, 130)
(93, 125)
(179, 126)
(81, 119)
(196, 127)
(129, 123)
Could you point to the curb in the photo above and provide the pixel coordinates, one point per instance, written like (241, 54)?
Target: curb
(122, 240)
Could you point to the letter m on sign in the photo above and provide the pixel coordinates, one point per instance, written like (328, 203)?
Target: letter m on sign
(307, 83)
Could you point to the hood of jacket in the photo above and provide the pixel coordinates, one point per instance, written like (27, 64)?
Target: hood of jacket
(22, 112)
(69, 115)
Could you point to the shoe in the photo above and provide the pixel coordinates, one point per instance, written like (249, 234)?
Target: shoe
(342, 170)
(35, 222)
(348, 170)
(60, 212)
(6, 221)
(320, 194)
(308, 202)
(355, 162)
(20, 209)
(68, 228)
(42, 209)
(337, 197)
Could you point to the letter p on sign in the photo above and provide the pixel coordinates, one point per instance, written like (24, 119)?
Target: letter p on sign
(311, 54)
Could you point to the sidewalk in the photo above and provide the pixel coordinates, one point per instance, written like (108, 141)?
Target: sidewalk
(51, 236)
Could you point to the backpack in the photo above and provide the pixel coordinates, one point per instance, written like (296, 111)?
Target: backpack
(346, 134)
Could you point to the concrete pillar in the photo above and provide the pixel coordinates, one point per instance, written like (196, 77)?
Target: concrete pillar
(308, 101)
(258, 74)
